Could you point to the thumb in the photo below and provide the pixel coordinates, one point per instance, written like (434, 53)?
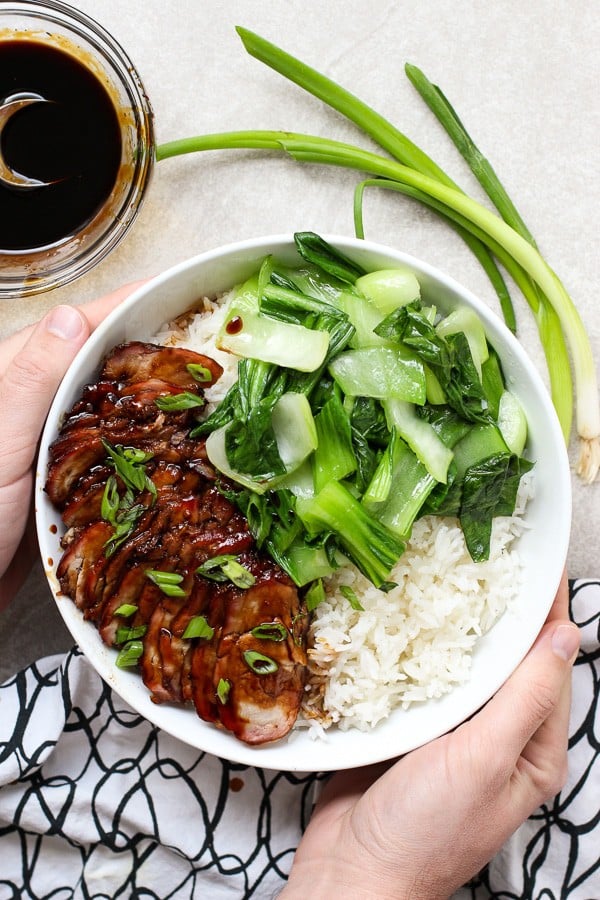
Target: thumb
(29, 383)
(532, 696)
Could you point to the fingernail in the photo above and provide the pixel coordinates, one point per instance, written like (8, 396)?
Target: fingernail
(565, 641)
(65, 322)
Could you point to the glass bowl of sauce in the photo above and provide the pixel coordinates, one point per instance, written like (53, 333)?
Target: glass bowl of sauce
(76, 145)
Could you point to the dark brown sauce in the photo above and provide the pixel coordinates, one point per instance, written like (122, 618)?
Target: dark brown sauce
(74, 141)
(235, 325)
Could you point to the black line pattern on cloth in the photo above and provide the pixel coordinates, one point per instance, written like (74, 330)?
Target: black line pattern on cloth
(102, 790)
(137, 792)
(566, 830)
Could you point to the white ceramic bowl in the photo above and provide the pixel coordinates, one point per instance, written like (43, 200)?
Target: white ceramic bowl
(543, 546)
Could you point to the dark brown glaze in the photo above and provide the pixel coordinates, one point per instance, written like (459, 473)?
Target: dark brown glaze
(185, 521)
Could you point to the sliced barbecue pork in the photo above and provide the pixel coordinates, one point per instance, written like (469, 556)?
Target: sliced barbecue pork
(246, 672)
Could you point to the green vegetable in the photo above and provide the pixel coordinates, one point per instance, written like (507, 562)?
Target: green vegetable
(129, 655)
(466, 321)
(315, 250)
(199, 373)
(380, 372)
(448, 356)
(303, 561)
(168, 582)
(259, 663)
(176, 402)
(126, 633)
(256, 336)
(490, 236)
(420, 436)
(295, 429)
(198, 627)
(350, 595)
(129, 464)
(126, 610)
(412, 485)
(493, 383)
(489, 490)
(216, 450)
(389, 288)
(270, 631)
(334, 457)
(314, 595)
(226, 568)
(369, 544)
(339, 468)
(120, 512)
(486, 477)
(512, 423)
(223, 689)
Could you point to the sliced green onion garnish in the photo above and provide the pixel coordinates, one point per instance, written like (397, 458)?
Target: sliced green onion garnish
(120, 512)
(199, 373)
(129, 654)
(259, 663)
(350, 595)
(270, 631)
(129, 464)
(110, 500)
(126, 610)
(126, 633)
(314, 595)
(198, 627)
(226, 568)
(176, 402)
(238, 574)
(168, 582)
(223, 689)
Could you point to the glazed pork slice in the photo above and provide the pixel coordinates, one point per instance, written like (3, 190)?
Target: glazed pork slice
(261, 661)
(249, 675)
(136, 361)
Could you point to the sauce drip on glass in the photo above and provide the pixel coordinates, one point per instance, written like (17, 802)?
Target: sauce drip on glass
(74, 141)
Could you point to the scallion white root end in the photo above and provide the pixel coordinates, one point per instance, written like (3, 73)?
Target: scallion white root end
(588, 463)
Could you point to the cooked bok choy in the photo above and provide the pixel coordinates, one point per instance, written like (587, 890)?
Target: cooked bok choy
(334, 460)
(499, 241)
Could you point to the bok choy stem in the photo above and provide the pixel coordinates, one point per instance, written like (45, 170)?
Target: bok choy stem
(548, 323)
(478, 249)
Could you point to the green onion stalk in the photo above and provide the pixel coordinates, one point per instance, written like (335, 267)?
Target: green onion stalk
(492, 236)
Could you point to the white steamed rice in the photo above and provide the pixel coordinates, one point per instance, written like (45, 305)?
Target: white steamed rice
(407, 646)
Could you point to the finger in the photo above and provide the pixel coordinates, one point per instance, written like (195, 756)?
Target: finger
(95, 311)
(529, 697)
(344, 788)
(543, 764)
(560, 606)
(29, 383)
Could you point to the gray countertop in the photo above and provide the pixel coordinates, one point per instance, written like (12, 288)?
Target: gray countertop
(523, 77)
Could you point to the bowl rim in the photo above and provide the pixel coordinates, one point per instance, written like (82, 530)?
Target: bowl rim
(292, 754)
